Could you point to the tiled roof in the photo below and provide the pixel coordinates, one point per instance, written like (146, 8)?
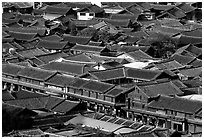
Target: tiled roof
(4, 34)
(7, 95)
(31, 103)
(84, 23)
(76, 39)
(57, 10)
(52, 102)
(167, 30)
(124, 17)
(78, 4)
(35, 73)
(23, 94)
(9, 21)
(92, 8)
(77, 83)
(23, 36)
(109, 74)
(176, 104)
(46, 58)
(139, 55)
(139, 34)
(59, 80)
(178, 13)
(11, 69)
(178, 83)
(131, 39)
(118, 22)
(186, 7)
(142, 74)
(115, 92)
(22, 4)
(170, 22)
(135, 9)
(184, 60)
(39, 31)
(184, 40)
(81, 58)
(193, 83)
(169, 65)
(51, 45)
(192, 72)
(96, 86)
(145, 5)
(196, 63)
(166, 88)
(161, 7)
(54, 37)
(66, 67)
(87, 48)
(29, 53)
(65, 106)
(193, 33)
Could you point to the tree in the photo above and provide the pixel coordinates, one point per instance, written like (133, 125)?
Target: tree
(163, 45)
(72, 28)
(89, 32)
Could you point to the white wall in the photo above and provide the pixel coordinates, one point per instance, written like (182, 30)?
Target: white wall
(85, 17)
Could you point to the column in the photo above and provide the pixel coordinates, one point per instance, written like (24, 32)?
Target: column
(11, 87)
(127, 114)
(114, 112)
(183, 127)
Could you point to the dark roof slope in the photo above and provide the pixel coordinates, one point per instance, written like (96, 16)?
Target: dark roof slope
(192, 72)
(80, 58)
(184, 60)
(176, 104)
(51, 45)
(110, 74)
(87, 48)
(11, 69)
(77, 83)
(76, 39)
(52, 102)
(178, 13)
(31, 103)
(22, 36)
(28, 53)
(39, 31)
(23, 94)
(66, 67)
(96, 86)
(115, 92)
(54, 37)
(186, 7)
(142, 74)
(59, 80)
(166, 88)
(35, 73)
(46, 58)
(7, 95)
(65, 106)
(124, 17)
(92, 8)
(138, 55)
(57, 10)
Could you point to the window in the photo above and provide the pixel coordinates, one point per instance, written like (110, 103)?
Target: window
(82, 14)
(91, 14)
(177, 127)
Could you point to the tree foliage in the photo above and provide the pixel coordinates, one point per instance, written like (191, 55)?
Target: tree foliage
(163, 45)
